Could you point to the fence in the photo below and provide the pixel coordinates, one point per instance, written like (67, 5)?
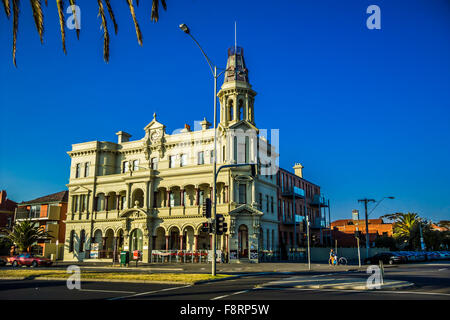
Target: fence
(185, 256)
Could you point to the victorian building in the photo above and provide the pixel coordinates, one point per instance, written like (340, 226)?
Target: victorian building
(147, 194)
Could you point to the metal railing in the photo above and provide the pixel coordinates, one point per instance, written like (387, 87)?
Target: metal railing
(177, 256)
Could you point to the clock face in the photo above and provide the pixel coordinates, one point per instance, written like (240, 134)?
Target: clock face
(155, 135)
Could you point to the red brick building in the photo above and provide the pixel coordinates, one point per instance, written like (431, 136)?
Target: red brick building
(50, 213)
(296, 194)
(7, 209)
(344, 231)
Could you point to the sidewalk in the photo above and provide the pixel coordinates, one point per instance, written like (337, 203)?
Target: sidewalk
(238, 268)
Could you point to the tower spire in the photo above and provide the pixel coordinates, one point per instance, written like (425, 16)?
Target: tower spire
(235, 37)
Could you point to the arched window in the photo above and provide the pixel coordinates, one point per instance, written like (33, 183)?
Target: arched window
(71, 240)
(82, 240)
(230, 110)
(241, 110)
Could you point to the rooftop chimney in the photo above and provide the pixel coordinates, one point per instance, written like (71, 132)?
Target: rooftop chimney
(123, 136)
(298, 169)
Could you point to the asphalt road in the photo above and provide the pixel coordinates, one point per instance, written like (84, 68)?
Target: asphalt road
(432, 281)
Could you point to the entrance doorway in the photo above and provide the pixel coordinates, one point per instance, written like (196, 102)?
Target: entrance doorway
(243, 241)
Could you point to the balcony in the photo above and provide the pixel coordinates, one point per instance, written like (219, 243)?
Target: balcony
(293, 191)
(24, 214)
(319, 200)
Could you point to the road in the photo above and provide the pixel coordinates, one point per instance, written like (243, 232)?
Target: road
(432, 281)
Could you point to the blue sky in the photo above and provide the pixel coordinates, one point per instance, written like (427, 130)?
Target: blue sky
(365, 111)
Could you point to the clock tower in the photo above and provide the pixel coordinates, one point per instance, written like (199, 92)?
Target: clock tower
(236, 94)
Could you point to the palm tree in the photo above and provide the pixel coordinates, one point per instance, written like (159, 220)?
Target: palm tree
(39, 20)
(404, 225)
(25, 234)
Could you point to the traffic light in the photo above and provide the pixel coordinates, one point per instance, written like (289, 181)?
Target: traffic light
(205, 227)
(221, 225)
(206, 208)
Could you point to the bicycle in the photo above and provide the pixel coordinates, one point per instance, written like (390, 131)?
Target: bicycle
(341, 261)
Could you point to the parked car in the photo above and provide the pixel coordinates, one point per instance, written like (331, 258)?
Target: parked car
(2, 261)
(386, 257)
(28, 259)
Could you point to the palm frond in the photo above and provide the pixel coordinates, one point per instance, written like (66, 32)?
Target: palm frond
(101, 11)
(136, 24)
(16, 4)
(111, 14)
(7, 7)
(60, 5)
(155, 9)
(74, 12)
(38, 17)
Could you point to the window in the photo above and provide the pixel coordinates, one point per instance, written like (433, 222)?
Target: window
(172, 161)
(125, 167)
(267, 199)
(77, 170)
(271, 204)
(82, 240)
(154, 163)
(72, 236)
(242, 193)
(86, 169)
(260, 200)
(211, 155)
(135, 165)
(200, 157)
(75, 203)
(35, 211)
(183, 160)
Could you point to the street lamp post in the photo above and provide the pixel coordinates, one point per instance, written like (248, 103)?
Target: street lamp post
(213, 68)
(366, 201)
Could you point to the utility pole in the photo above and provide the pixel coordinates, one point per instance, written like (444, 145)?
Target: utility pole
(366, 201)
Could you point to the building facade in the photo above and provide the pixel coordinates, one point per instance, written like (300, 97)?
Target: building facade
(147, 194)
(344, 231)
(48, 212)
(7, 210)
(298, 198)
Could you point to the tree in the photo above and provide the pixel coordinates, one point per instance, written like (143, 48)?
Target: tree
(25, 234)
(38, 17)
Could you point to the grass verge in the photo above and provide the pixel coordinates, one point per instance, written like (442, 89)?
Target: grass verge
(185, 278)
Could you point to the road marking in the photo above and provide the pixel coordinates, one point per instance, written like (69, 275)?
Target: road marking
(109, 291)
(361, 291)
(229, 295)
(149, 292)
(442, 269)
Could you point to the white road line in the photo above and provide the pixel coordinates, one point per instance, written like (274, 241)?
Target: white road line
(109, 291)
(229, 295)
(149, 292)
(442, 269)
(361, 291)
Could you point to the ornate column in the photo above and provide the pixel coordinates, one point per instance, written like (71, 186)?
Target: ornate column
(168, 198)
(227, 196)
(197, 196)
(106, 203)
(129, 205)
(182, 196)
(167, 242)
(117, 202)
